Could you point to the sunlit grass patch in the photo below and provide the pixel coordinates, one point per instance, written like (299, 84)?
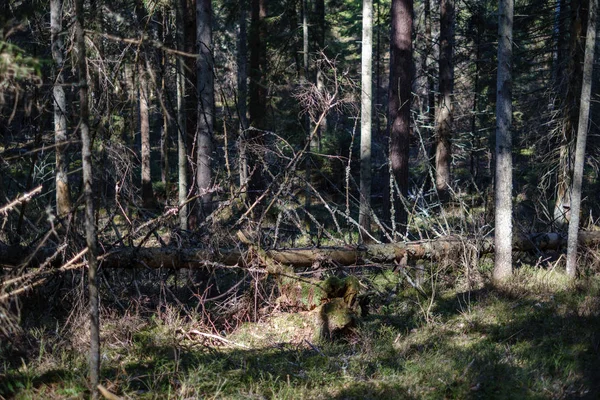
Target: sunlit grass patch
(536, 339)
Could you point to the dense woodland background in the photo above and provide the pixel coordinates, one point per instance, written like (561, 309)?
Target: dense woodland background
(185, 145)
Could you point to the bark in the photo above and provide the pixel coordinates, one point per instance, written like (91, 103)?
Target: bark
(242, 79)
(366, 107)
(378, 100)
(305, 38)
(559, 42)
(366, 254)
(400, 97)
(320, 39)
(475, 145)
(191, 97)
(164, 34)
(90, 228)
(181, 119)
(147, 192)
(584, 113)
(206, 105)
(503, 189)
(307, 123)
(257, 91)
(570, 109)
(63, 197)
(444, 115)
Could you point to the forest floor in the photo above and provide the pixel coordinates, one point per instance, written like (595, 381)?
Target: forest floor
(537, 339)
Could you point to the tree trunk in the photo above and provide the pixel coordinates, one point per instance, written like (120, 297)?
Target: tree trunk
(444, 115)
(584, 113)
(475, 144)
(366, 254)
(305, 39)
(191, 102)
(147, 192)
(579, 12)
(320, 39)
(206, 105)
(400, 98)
(164, 34)
(307, 123)
(503, 193)
(242, 78)
(181, 118)
(63, 197)
(366, 108)
(90, 228)
(258, 90)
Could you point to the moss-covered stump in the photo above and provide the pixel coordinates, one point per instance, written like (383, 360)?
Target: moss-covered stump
(329, 320)
(308, 294)
(333, 318)
(332, 304)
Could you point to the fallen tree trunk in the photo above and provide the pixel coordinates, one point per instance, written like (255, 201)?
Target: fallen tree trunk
(170, 257)
(360, 255)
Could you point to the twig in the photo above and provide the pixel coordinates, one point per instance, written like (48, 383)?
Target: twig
(22, 199)
(315, 348)
(217, 337)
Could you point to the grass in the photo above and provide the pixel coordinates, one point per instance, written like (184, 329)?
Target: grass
(536, 338)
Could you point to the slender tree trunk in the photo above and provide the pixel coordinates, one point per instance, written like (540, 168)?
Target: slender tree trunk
(206, 105)
(584, 113)
(164, 133)
(307, 123)
(474, 154)
(257, 89)
(400, 97)
(503, 193)
(181, 118)
(320, 39)
(191, 103)
(579, 12)
(428, 67)
(559, 42)
(147, 192)
(366, 108)
(378, 102)
(242, 82)
(305, 38)
(444, 115)
(63, 197)
(90, 227)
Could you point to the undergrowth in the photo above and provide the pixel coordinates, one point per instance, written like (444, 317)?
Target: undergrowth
(538, 337)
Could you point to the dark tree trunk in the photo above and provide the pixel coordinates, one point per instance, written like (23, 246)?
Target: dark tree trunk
(258, 90)
(182, 163)
(570, 107)
(90, 227)
(206, 105)
(400, 98)
(191, 98)
(242, 82)
(164, 34)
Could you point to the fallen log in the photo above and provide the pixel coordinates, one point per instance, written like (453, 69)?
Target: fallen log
(171, 257)
(348, 255)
